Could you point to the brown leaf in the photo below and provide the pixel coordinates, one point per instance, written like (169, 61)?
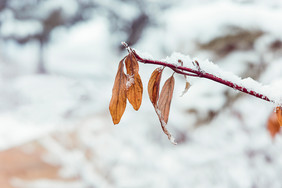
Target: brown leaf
(134, 84)
(131, 64)
(153, 90)
(279, 115)
(154, 85)
(165, 98)
(134, 91)
(163, 125)
(118, 100)
(187, 86)
(273, 125)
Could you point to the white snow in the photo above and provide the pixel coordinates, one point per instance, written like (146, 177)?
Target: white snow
(130, 81)
(230, 149)
(274, 93)
(19, 28)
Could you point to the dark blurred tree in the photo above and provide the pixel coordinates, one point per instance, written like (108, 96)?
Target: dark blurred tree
(131, 28)
(29, 10)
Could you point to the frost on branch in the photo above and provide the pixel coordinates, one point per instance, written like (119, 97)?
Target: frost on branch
(209, 70)
(130, 86)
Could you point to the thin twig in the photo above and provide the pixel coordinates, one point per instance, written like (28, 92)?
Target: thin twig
(198, 73)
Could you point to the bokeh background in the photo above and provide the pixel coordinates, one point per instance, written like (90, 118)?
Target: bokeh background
(58, 61)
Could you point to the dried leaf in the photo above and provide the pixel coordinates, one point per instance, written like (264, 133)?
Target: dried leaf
(153, 90)
(118, 100)
(154, 85)
(134, 84)
(163, 124)
(131, 64)
(273, 125)
(187, 86)
(135, 91)
(279, 115)
(165, 99)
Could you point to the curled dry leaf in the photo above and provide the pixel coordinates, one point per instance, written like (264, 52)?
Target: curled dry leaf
(165, 98)
(166, 95)
(273, 125)
(118, 100)
(163, 107)
(154, 85)
(134, 83)
(279, 115)
(187, 86)
(163, 125)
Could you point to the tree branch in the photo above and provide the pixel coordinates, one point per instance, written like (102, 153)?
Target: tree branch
(201, 74)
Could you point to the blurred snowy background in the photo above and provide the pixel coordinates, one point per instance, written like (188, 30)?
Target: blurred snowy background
(58, 60)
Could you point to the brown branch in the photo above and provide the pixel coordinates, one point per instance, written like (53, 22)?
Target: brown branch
(198, 73)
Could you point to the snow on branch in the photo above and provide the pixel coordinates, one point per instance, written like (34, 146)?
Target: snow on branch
(128, 85)
(208, 70)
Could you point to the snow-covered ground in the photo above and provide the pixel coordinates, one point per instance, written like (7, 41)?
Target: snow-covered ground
(222, 136)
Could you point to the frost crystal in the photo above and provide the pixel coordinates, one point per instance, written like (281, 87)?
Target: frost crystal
(130, 81)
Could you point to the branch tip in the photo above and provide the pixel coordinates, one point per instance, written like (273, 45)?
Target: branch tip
(126, 46)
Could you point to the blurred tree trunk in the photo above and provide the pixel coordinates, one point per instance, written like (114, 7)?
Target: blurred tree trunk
(41, 69)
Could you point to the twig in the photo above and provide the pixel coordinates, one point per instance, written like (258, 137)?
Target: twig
(198, 73)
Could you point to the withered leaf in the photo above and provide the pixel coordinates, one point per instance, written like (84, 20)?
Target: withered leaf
(134, 90)
(273, 125)
(131, 64)
(165, 98)
(279, 115)
(187, 86)
(118, 100)
(134, 84)
(163, 125)
(154, 85)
